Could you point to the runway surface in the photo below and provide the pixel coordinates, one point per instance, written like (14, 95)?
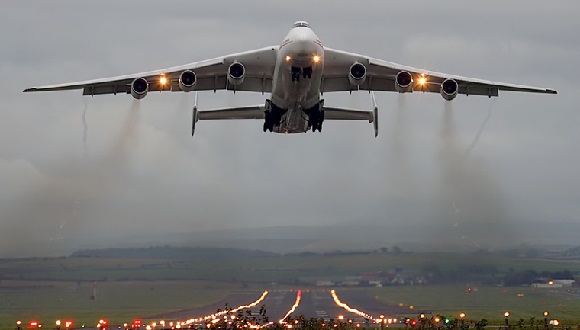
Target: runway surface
(317, 303)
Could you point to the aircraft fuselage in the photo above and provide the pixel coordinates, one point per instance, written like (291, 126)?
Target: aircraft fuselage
(297, 80)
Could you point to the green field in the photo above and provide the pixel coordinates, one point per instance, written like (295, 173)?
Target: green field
(58, 288)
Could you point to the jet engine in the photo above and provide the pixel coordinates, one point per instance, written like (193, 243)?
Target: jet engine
(449, 89)
(404, 82)
(236, 72)
(139, 88)
(187, 80)
(357, 74)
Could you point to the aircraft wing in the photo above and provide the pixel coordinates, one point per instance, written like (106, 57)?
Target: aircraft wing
(381, 75)
(211, 75)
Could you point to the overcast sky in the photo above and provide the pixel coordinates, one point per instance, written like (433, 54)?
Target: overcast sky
(74, 167)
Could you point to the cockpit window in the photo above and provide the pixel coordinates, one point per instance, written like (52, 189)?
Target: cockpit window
(301, 24)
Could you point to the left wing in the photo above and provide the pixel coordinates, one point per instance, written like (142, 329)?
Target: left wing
(382, 76)
(210, 74)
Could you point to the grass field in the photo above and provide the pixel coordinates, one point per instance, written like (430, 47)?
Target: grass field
(487, 302)
(48, 289)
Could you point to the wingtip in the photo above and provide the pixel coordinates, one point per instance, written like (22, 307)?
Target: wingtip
(552, 91)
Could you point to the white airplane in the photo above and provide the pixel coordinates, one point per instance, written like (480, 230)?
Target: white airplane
(296, 73)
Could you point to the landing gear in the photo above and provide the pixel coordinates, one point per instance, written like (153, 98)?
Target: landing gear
(268, 126)
(317, 126)
(316, 116)
(295, 73)
(307, 72)
(273, 116)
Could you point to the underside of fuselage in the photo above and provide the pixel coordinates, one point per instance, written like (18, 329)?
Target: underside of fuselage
(294, 119)
(295, 105)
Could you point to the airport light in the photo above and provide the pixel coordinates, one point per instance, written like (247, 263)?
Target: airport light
(462, 315)
(507, 317)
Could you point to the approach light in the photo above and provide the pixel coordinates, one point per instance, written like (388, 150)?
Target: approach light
(462, 315)
(546, 313)
(506, 314)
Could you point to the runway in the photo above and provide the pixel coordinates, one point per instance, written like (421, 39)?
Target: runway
(317, 303)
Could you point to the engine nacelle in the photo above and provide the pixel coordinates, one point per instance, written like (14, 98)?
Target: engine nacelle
(357, 74)
(404, 82)
(449, 89)
(139, 88)
(187, 80)
(236, 72)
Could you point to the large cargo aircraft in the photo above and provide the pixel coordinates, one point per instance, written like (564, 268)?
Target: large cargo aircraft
(296, 74)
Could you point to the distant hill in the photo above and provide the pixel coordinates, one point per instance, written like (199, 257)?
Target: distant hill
(171, 253)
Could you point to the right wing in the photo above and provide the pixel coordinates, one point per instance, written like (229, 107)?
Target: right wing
(211, 75)
(381, 75)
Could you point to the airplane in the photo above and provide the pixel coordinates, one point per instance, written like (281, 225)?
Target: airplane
(296, 74)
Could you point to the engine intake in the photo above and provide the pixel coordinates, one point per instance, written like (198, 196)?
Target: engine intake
(236, 72)
(357, 74)
(404, 82)
(187, 80)
(449, 89)
(139, 88)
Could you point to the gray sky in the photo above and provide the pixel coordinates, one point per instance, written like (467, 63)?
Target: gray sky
(76, 168)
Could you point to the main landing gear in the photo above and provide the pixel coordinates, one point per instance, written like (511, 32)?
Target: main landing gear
(316, 116)
(273, 116)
